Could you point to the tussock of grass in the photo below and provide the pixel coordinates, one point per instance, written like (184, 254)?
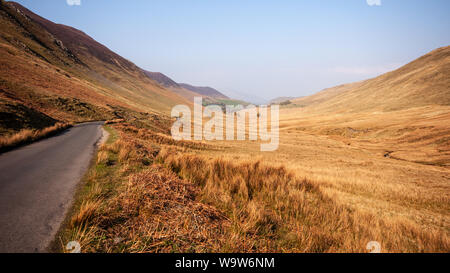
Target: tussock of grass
(28, 136)
(102, 156)
(126, 153)
(86, 212)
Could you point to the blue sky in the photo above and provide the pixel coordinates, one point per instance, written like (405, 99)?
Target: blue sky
(257, 49)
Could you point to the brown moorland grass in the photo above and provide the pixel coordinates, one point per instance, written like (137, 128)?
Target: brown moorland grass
(131, 206)
(278, 211)
(169, 198)
(391, 164)
(27, 136)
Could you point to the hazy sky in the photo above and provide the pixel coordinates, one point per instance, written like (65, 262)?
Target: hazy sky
(263, 49)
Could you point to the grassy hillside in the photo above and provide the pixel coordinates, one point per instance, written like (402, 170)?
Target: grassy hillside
(60, 73)
(422, 82)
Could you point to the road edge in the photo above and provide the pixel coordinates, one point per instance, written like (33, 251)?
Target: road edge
(56, 245)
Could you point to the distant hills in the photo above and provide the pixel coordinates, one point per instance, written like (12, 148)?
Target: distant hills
(185, 90)
(281, 100)
(206, 91)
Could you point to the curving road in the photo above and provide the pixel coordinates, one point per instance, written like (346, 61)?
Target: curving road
(37, 185)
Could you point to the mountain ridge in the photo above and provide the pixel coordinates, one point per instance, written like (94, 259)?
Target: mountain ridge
(186, 90)
(206, 91)
(56, 71)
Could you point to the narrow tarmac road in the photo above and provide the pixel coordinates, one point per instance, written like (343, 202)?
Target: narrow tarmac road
(37, 185)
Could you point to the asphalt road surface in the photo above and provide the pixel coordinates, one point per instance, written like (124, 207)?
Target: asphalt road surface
(37, 185)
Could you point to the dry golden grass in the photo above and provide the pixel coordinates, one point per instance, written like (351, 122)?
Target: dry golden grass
(125, 153)
(278, 211)
(102, 156)
(393, 163)
(392, 166)
(28, 136)
(86, 212)
(169, 198)
(160, 138)
(129, 206)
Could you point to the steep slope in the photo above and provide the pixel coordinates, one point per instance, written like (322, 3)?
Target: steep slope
(64, 74)
(425, 81)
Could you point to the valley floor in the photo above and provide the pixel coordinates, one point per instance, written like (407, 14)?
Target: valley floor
(335, 184)
(392, 164)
